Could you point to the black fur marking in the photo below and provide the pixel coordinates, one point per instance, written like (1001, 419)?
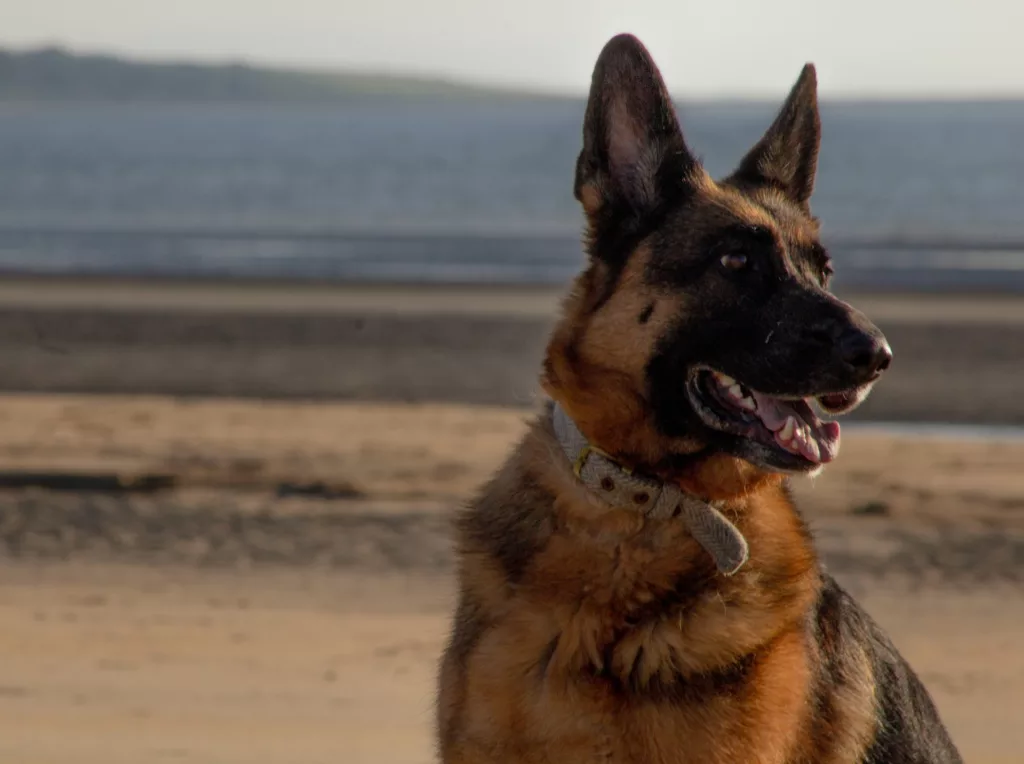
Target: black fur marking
(645, 314)
(470, 624)
(827, 630)
(616, 265)
(667, 269)
(909, 729)
(680, 599)
(514, 530)
(545, 657)
(696, 688)
(633, 682)
(674, 464)
(724, 326)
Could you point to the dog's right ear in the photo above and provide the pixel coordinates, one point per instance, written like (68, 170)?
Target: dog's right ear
(634, 158)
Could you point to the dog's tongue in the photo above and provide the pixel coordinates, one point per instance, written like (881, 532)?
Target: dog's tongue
(797, 429)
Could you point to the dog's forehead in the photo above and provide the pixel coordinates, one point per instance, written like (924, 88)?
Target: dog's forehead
(727, 205)
(720, 205)
(793, 223)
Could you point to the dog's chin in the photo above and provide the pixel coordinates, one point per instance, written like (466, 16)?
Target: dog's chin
(770, 459)
(782, 434)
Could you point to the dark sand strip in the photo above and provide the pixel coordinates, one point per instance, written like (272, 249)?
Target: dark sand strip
(957, 358)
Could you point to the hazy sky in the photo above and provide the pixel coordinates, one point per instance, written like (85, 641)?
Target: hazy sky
(710, 47)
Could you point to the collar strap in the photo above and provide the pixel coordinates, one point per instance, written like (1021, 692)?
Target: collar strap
(621, 487)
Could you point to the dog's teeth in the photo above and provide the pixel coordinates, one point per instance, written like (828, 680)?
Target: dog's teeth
(815, 451)
(740, 398)
(786, 433)
(790, 436)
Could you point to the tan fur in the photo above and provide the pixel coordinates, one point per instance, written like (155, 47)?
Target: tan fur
(595, 369)
(734, 203)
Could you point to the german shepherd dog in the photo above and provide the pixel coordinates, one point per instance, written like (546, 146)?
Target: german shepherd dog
(636, 585)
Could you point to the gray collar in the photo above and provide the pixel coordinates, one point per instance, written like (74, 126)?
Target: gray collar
(620, 487)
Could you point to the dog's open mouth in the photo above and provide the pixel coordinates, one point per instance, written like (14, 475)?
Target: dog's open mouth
(782, 424)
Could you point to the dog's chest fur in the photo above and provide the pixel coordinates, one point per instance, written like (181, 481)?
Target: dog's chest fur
(617, 640)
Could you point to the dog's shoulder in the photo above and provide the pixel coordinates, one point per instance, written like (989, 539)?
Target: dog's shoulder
(906, 728)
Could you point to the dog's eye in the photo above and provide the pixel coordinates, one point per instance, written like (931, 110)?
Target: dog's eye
(734, 261)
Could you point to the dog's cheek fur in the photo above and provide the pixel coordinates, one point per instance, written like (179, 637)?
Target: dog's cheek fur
(595, 362)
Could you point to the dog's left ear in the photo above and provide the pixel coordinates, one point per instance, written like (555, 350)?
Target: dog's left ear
(786, 157)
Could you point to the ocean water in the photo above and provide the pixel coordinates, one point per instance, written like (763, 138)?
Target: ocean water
(911, 195)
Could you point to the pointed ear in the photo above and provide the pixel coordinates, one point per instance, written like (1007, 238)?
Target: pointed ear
(633, 150)
(787, 156)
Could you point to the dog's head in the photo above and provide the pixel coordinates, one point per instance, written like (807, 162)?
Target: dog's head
(702, 330)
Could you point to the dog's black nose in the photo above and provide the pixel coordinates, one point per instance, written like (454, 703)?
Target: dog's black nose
(866, 352)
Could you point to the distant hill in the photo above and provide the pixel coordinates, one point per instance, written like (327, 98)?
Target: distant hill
(52, 74)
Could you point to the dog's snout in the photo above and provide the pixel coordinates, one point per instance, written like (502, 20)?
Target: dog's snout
(866, 352)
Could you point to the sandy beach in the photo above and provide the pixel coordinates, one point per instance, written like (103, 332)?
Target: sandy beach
(224, 511)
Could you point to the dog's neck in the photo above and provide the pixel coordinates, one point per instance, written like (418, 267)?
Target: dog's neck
(621, 487)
